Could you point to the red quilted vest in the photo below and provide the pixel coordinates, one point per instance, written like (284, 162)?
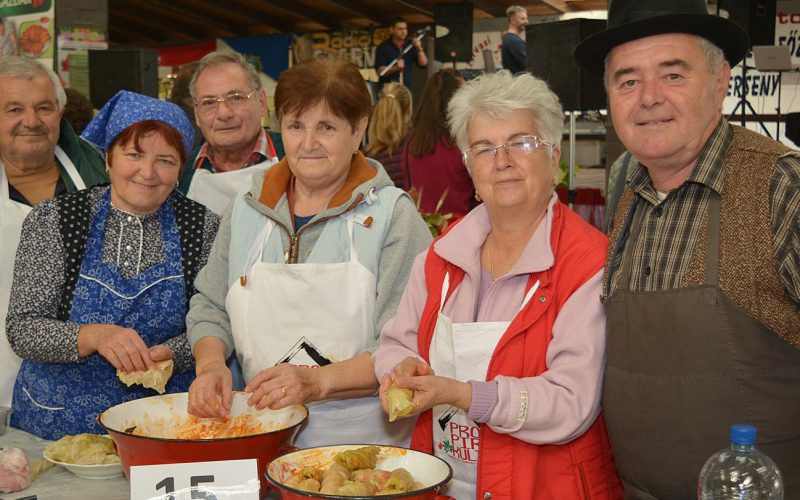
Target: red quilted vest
(507, 467)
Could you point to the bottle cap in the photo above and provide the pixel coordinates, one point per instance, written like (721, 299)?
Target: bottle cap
(743, 434)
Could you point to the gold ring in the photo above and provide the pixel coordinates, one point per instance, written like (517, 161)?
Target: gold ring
(283, 390)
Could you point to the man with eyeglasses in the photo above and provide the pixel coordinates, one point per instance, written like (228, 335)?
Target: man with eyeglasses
(229, 104)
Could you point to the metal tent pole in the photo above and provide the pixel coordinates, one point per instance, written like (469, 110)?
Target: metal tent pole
(571, 177)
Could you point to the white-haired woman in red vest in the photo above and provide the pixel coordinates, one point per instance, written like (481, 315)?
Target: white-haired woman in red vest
(500, 333)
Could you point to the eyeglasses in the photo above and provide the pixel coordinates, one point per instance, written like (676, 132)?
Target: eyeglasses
(209, 105)
(518, 147)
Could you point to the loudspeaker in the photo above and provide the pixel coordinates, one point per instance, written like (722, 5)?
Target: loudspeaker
(113, 70)
(550, 47)
(793, 127)
(755, 17)
(457, 19)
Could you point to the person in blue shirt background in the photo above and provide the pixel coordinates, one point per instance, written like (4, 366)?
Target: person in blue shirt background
(514, 52)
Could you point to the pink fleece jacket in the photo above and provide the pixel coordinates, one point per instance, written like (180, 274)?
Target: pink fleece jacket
(565, 400)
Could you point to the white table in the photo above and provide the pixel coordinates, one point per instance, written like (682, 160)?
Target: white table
(57, 483)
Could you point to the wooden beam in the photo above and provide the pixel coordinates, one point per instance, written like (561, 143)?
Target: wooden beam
(304, 13)
(128, 36)
(559, 6)
(251, 20)
(416, 5)
(362, 11)
(192, 14)
(492, 8)
(164, 27)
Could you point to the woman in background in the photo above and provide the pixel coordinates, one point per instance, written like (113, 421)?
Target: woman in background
(431, 162)
(388, 128)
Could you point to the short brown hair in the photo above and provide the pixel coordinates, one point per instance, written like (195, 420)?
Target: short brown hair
(144, 128)
(334, 82)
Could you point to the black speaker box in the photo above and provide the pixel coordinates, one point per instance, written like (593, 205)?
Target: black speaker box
(550, 47)
(122, 69)
(756, 18)
(457, 44)
(793, 127)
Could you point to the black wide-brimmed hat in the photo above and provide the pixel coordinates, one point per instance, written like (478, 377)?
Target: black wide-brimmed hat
(630, 20)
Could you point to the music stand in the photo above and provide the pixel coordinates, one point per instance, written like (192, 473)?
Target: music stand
(744, 104)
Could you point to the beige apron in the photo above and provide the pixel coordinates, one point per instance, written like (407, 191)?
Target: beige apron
(312, 314)
(12, 214)
(216, 190)
(462, 351)
(685, 364)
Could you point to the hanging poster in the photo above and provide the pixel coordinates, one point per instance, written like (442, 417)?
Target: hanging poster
(27, 28)
(73, 55)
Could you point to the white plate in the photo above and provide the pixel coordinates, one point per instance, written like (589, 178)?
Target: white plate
(106, 471)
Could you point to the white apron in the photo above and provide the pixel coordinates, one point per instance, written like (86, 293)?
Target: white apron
(311, 314)
(462, 351)
(216, 190)
(11, 216)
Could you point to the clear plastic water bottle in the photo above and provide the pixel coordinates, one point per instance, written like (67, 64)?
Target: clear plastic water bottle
(740, 471)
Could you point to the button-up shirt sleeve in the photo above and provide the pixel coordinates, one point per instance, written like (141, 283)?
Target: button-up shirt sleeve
(784, 195)
(32, 327)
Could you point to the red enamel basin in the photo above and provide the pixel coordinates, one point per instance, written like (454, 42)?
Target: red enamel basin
(158, 414)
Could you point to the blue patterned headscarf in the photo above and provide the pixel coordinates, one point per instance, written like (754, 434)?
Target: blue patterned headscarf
(127, 108)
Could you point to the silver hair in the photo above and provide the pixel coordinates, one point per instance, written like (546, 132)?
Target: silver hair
(714, 56)
(513, 10)
(22, 67)
(499, 94)
(224, 57)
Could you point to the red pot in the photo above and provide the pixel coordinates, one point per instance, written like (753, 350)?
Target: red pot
(427, 469)
(159, 414)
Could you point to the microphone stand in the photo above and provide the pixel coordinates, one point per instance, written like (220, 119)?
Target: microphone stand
(420, 35)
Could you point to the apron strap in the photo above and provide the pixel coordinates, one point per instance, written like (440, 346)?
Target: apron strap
(3, 182)
(529, 295)
(350, 225)
(633, 229)
(66, 162)
(445, 289)
(712, 248)
(256, 250)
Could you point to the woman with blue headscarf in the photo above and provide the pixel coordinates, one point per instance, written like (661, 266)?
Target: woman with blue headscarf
(103, 277)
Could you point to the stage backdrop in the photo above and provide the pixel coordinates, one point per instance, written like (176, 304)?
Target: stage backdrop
(761, 88)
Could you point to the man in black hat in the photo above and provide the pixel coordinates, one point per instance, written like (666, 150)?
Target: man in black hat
(702, 286)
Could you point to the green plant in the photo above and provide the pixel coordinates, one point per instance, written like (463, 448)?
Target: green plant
(437, 222)
(562, 176)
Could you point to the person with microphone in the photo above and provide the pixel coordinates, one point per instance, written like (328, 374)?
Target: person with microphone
(395, 56)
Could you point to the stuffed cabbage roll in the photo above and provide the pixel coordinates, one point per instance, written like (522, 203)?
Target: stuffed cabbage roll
(400, 481)
(375, 477)
(399, 401)
(360, 458)
(351, 489)
(310, 484)
(333, 478)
